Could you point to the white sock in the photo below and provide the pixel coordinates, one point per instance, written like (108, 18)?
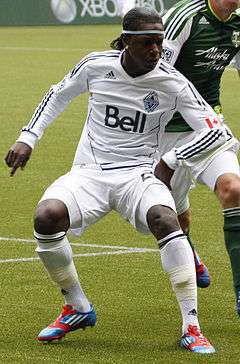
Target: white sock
(56, 254)
(189, 313)
(178, 262)
(75, 297)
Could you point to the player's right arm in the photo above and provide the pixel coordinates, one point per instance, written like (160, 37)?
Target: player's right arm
(53, 103)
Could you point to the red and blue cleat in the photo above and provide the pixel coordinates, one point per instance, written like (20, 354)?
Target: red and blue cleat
(194, 341)
(203, 276)
(69, 320)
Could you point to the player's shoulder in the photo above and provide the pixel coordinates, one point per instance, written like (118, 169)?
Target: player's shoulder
(177, 17)
(96, 58)
(173, 79)
(103, 54)
(168, 68)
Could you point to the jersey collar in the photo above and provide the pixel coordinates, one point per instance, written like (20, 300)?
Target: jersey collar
(134, 79)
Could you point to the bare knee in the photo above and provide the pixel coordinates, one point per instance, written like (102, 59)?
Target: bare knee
(51, 217)
(185, 220)
(228, 190)
(162, 221)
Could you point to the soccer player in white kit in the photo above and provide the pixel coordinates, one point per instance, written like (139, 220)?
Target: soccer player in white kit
(133, 94)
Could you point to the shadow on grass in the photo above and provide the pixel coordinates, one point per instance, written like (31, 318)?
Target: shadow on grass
(111, 345)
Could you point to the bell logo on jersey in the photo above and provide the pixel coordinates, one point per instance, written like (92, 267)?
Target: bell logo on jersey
(126, 123)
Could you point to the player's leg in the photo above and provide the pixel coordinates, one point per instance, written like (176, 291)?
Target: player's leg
(228, 193)
(51, 224)
(223, 177)
(58, 211)
(156, 212)
(181, 184)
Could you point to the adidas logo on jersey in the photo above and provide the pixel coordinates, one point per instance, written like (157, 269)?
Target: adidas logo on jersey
(110, 75)
(203, 21)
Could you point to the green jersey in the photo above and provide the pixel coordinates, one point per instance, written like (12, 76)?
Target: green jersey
(200, 46)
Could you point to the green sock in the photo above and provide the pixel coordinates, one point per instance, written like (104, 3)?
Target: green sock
(232, 240)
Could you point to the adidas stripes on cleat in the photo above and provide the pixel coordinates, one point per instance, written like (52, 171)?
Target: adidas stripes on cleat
(194, 341)
(69, 320)
(203, 276)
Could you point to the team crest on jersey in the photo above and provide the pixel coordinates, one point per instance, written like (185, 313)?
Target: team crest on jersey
(236, 38)
(151, 101)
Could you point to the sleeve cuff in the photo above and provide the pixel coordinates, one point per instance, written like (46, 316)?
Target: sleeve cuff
(28, 138)
(171, 160)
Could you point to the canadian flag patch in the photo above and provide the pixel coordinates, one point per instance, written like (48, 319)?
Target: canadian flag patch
(212, 122)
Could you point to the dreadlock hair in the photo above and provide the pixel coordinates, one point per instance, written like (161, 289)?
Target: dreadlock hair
(133, 20)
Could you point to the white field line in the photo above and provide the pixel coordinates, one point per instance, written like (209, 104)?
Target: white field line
(19, 240)
(47, 49)
(122, 250)
(117, 252)
(43, 49)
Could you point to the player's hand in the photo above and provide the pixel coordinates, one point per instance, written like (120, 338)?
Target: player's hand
(164, 173)
(18, 156)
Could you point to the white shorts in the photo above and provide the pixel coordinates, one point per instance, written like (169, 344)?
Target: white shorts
(90, 193)
(226, 162)
(182, 181)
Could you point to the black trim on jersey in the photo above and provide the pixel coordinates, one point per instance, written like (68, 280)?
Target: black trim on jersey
(156, 127)
(164, 70)
(40, 109)
(198, 98)
(212, 135)
(147, 164)
(89, 136)
(182, 14)
(169, 69)
(199, 146)
(92, 58)
(129, 146)
(30, 132)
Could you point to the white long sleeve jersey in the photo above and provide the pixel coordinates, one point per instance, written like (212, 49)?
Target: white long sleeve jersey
(126, 115)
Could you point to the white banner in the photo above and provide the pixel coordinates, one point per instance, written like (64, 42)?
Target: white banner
(66, 11)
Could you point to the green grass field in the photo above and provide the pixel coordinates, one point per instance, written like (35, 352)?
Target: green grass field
(138, 318)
